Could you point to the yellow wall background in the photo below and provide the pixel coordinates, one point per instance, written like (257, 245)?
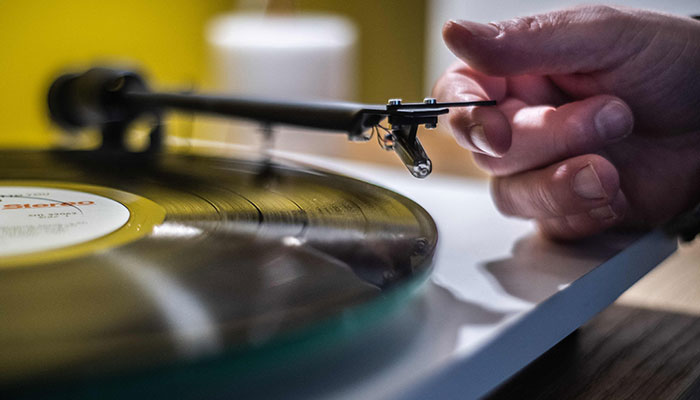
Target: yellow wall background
(166, 39)
(39, 38)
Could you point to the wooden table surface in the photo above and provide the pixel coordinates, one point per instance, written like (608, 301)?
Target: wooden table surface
(645, 346)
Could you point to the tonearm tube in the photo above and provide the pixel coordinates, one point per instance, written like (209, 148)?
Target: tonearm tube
(111, 99)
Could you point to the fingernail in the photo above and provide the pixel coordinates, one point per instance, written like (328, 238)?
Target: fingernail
(588, 185)
(605, 212)
(478, 138)
(613, 121)
(477, 29)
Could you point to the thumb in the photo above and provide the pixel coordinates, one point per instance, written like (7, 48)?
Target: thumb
(561, 42)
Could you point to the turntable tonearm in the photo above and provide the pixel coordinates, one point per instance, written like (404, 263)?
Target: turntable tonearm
(111, 99)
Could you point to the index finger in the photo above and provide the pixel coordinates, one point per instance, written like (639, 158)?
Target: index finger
(479, 129)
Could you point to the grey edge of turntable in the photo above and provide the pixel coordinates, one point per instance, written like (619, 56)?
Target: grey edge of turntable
(500, 296)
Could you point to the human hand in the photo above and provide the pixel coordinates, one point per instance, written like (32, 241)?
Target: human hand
(598, 116)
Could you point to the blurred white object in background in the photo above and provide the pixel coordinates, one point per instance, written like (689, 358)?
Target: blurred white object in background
(294, 56)
(438, 57)
(289, 56)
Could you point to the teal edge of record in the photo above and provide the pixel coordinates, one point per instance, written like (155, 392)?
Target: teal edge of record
(237, 369)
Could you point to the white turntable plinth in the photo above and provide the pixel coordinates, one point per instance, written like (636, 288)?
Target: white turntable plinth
(499, 297)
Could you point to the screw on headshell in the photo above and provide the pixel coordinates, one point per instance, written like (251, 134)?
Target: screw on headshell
(394, 102)
(430, 100)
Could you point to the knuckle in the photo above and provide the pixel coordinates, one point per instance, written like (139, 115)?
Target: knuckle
(594, 12)
(542, 198)
(546, 23)
(533, 23)
(604, 11)
(528, 23)
(505, 203)
(608, 16)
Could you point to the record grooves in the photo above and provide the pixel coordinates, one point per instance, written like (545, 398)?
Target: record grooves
(242, 254)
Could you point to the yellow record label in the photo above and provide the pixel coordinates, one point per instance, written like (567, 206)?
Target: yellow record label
(44, 221)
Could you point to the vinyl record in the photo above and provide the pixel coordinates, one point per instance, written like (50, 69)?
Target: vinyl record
(112, 262)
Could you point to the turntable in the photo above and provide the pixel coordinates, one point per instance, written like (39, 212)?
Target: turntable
(153, 273)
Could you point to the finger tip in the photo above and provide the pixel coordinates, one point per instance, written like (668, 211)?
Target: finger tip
(460, 35)
(497, 130)
(473, 136)
(501, 139)
(614, 121)
(619, 205)
(473, 42)
(459, 122)
(606, 217)
(450, 30)
(607, 175)
(483, 130)
(448, 26)
(461, 137)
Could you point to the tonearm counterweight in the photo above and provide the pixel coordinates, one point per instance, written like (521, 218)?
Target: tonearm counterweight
(111, 99)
